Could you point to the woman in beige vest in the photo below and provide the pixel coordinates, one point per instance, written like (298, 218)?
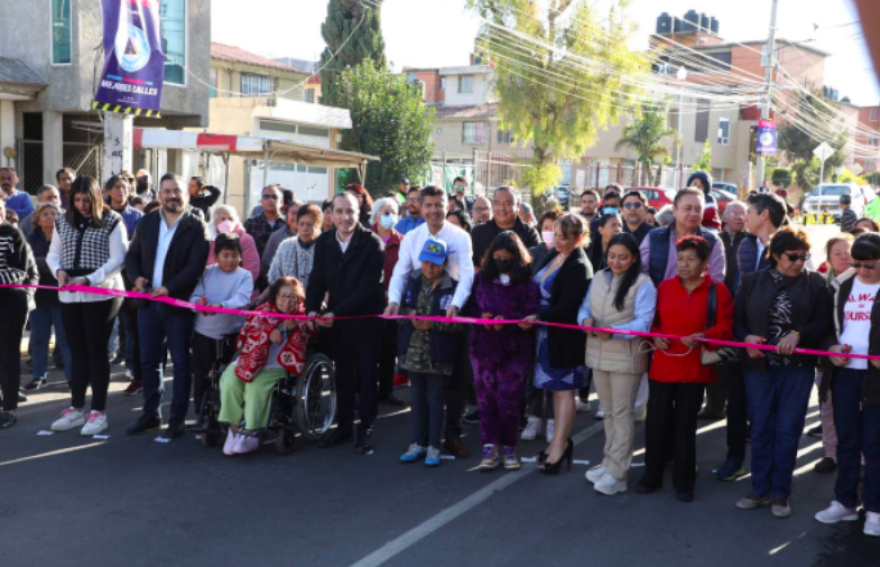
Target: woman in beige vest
(620, 297)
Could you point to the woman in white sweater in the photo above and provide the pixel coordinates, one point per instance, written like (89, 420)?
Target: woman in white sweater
(88, 248)
(296, 255)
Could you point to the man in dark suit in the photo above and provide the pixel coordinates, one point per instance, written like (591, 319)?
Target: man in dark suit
(348, 270)
(166, 258)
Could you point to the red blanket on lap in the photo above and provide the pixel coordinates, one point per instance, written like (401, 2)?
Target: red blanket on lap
(253, 343)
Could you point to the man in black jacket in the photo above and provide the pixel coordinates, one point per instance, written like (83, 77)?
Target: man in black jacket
(202, 196)
(348, 269)
(166, 257)
(505, 206)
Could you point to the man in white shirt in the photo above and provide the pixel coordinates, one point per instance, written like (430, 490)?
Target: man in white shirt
(460, 267)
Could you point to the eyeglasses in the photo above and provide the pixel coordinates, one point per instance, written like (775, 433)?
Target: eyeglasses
(858, 265)
(287, 297)
(635, 205)
(797, 257)
(273, 197)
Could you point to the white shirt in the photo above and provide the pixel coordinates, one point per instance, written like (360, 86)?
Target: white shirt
(166, 235)
(761, 249)
(107, 276)
(460, 264)
(343, 244)
(857, 321)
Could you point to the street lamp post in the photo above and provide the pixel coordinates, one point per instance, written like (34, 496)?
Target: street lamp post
(682, 77)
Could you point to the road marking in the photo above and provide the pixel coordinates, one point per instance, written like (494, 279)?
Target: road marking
(50, 454)
(428, 527)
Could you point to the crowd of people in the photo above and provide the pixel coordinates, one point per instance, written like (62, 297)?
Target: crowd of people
(571, 294)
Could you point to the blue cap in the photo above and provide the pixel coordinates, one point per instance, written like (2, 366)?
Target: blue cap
(434, 251)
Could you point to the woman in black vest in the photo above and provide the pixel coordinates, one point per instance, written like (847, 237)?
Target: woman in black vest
(88, 248)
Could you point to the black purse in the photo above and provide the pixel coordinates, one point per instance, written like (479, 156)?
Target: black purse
(722, 355)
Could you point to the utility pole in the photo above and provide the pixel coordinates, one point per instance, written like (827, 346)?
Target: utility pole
(768, 80)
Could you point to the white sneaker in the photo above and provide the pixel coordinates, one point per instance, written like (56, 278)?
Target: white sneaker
(229, 445)
(533, 429)
(872, 524)
(837, 512)
(551, 427)
(96, 423)
(581, 406)
(640, 413)
(595, 473)
(71, 418)
(246, 444)
(600, 413)
(609, 485)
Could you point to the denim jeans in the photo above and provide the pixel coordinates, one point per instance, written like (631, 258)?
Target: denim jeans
(113, 343)
(159, 331)
(128, 320)
(43, 320)
(778, 398)
(858, 432)
(427, 409)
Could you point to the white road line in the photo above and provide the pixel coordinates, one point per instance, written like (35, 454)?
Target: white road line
(426, 528)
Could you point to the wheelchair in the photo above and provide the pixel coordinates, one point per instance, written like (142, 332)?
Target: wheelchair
(300, 405)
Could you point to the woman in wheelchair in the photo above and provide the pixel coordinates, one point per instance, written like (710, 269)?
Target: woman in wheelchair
(269, 348)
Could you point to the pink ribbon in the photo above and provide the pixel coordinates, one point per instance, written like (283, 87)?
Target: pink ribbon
(183, 304)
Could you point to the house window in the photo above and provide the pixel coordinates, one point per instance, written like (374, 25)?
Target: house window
(212, 92)
(466, 84)
(256, 85)
(443, 83)
(310, 96)
(723, 132)
(701, 131)
(874, 141)
(61, 32)
(505, 137)
(172, 14)
(474, 133)
(874, 112)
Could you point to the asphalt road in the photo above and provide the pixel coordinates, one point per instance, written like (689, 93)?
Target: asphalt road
(68, 500)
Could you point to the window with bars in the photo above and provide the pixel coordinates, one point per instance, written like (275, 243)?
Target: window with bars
(172, 15)
(474, 133)
(61, 32)
(257, 85)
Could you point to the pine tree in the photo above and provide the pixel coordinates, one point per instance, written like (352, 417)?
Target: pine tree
(353, 32)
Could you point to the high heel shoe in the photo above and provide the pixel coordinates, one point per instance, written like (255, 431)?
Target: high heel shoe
(567, 457)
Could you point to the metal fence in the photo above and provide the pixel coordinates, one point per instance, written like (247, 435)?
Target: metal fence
(597, 176)
(30, 165)
(86, 159)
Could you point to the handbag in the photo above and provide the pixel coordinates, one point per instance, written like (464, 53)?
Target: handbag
(722, 355)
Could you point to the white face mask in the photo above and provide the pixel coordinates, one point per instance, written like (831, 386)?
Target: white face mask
(225, 226)
(549, 238)
(388, 221)
(504, 279)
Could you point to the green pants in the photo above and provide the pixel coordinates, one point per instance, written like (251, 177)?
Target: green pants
(250, 399)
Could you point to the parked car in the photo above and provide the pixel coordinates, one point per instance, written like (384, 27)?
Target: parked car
(722, 198)
(563, 195)
(826, 198)
(657, 196)
(729, 187)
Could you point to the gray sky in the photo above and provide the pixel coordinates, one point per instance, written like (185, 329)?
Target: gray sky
(427, 33)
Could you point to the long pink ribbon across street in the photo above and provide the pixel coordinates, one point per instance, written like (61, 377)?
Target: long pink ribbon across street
(463, 320)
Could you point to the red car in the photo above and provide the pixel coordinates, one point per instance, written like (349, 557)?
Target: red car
(657, 196)
(721, 199)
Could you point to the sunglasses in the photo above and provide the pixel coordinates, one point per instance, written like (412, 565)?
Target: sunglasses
(858, 265)
(273, 197)
(797, 257)
(636, 205)
(459, 188)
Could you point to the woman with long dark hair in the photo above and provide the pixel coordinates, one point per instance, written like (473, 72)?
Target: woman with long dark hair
(501, 355)
(88, 248)
(620, 297)
(364, 199)
(607, 226)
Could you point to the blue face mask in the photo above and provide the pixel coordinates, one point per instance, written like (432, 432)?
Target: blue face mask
(388, 221)
(611, 211)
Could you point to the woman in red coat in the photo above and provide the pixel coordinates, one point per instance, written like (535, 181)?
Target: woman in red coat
(677, 376)
(384, 217)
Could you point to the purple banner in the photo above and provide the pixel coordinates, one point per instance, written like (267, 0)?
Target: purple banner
(134, 63)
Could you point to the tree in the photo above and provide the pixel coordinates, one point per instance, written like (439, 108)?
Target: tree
(646, 136)
(353, 32)
(781, 177)
(798, 144)
(389, 120)
(704, 163)
(559, 71)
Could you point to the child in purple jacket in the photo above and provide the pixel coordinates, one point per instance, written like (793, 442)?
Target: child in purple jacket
(501, 355)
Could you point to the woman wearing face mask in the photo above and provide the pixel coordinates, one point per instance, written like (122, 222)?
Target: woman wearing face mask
(620, 297)
(225, 219)
(384, 217)
(502, 355)
(607, 227)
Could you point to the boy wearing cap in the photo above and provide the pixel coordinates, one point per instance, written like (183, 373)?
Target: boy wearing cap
(427, 349)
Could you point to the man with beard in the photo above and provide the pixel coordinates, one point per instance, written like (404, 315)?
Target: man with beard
(635, 215)
(414, 216)
(166, 258)
(16, 200)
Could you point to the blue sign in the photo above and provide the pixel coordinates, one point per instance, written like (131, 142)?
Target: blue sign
(134, 64)
(767, 138)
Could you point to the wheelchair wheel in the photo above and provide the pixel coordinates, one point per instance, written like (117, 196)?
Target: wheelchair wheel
(316, 398)
(210, 438)
(285, 442)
